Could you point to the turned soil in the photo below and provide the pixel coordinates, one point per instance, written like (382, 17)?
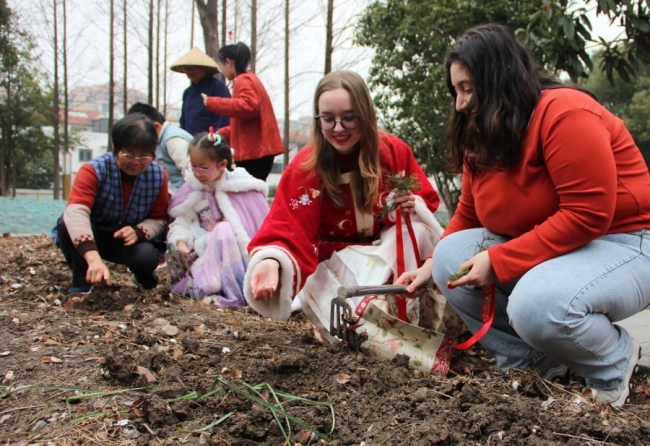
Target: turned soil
(119, 367)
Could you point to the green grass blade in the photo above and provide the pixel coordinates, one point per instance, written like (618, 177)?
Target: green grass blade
(266, 404)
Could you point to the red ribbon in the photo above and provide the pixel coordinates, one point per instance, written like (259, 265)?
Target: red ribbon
(401, 300)
(488, 307)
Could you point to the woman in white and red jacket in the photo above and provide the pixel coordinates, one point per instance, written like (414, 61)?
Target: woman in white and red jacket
(253, 131)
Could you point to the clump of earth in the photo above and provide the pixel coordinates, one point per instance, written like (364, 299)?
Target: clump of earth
(120, 367)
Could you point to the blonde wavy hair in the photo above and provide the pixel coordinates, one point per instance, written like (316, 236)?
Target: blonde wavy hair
(365, 185)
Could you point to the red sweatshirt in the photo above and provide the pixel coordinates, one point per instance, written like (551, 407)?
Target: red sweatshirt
(253, 131)
(580, 176)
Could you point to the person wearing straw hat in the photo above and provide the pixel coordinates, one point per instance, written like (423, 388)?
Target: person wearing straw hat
(200, 70)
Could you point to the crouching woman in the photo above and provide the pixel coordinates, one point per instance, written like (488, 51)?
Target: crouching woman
(118, 204)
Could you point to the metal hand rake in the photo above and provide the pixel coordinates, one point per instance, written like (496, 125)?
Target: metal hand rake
(342, 317)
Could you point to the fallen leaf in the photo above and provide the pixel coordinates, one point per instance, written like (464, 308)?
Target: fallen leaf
(51, 342)
(304, 436)
(342, 378)
(150, 377)
(177, 352)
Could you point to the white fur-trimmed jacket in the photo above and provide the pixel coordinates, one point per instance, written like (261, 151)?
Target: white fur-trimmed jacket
(240, 198)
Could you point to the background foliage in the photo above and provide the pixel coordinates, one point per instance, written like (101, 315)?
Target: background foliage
(411, 37)
(25, 151)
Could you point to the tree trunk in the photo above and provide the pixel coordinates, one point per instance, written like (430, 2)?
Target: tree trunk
(253, 34)
(329, 36)
(165, 59)
(150, 56)
(12, 164)
(111, 80)
(55, 106)
(210, 24)
(66, 107)
(157, 63)
(125, 90)
(192, 26)
(286, 85)
(224, 15)
(3, 148)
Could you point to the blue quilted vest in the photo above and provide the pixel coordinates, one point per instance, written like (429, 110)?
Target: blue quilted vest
(109, 212)
(162, 156)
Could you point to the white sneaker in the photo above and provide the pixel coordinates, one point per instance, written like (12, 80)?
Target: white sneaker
(557, 372)
(618, 396)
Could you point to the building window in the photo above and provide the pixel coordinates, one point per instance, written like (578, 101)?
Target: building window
(85, 155)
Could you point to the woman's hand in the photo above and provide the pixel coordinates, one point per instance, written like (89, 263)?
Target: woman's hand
(480, 272)
(97, 273)
(416, 278)
(406, 200)
(127, 235)
(264, 279)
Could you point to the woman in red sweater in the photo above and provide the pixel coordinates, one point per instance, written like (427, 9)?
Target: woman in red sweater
(253, 131)
(554, 211)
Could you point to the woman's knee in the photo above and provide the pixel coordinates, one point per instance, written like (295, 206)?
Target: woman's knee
(144, 257)
(536, 315)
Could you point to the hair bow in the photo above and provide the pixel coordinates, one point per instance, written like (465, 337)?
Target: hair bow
(215, 138)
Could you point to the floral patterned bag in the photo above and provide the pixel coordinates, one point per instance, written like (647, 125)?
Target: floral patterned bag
(427, 341)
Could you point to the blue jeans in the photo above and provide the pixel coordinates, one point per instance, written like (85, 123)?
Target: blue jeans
(562, 310)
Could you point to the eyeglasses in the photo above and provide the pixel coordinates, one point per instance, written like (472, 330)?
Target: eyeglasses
(201, 170)
(348, 122)
(139, 159)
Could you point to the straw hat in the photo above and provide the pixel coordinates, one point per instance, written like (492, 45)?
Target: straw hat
(196, 58)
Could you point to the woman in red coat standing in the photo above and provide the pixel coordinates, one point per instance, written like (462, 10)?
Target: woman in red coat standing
(253, 131)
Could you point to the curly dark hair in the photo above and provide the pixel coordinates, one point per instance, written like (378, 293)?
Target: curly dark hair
(506, 88)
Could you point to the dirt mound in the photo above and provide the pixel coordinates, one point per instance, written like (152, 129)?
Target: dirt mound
(119, 367)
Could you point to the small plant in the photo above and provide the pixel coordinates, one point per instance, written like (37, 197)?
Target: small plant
(398, 183)
(487, 241)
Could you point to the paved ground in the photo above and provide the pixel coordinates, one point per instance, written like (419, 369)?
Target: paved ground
(639, 328)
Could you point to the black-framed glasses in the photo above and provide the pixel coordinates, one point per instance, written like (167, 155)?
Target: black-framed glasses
(348, 122)
(139, 159)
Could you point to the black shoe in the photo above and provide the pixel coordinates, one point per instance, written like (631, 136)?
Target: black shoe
(148, 285)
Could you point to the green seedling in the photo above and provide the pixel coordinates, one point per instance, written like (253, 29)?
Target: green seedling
(455, 276)
(480, 247)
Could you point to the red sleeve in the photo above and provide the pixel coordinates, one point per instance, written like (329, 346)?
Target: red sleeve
(293, 220)
(84, 188)
(577, 151)
(244, 104)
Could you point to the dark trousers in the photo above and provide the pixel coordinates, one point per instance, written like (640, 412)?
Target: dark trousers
(141, 258)
(258, 167)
